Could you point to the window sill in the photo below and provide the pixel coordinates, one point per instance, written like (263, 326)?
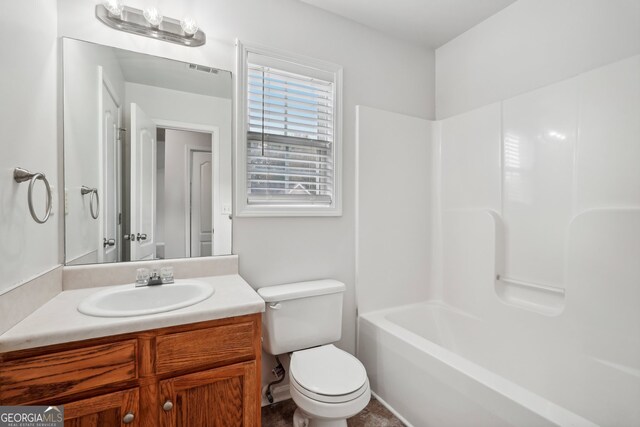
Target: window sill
(287, 211)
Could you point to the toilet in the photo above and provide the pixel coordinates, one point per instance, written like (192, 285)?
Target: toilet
(327, 384)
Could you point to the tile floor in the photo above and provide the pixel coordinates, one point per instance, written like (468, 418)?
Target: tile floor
(374, 415)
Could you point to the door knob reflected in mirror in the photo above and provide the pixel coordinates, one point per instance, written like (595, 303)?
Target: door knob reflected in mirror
(142, 236)
(108, 242)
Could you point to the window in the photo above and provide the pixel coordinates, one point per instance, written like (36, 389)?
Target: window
(288, 145)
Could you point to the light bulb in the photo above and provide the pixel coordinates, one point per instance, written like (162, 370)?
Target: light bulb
(153, 16)
(115, 7)
(189, 26)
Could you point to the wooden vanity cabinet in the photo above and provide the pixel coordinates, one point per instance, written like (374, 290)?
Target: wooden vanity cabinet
(202, 374)
(220, 391)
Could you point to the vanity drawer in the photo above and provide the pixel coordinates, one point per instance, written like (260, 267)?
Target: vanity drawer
(55, 375)
(203, 347)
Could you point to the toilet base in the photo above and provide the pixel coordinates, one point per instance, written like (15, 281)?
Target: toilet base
(300, 419)
(314, 413)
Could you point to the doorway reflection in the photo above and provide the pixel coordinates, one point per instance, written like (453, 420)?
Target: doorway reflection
(185, 171)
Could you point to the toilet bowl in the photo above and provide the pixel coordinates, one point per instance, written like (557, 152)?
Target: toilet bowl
(328, 385)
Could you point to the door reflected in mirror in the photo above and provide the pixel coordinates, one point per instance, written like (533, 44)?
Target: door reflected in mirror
(151, 139)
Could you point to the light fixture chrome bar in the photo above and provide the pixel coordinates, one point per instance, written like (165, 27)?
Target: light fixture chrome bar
(132, 21)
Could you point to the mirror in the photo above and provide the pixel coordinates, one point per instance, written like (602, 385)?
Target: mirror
(147, 156)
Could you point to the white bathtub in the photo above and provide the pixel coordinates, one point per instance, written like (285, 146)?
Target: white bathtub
(437, 366)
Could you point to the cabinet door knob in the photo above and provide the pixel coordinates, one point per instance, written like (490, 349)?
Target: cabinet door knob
(142, 236)
(168, 405)
(128, 418)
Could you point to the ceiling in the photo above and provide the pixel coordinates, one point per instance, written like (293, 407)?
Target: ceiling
(169, 74)
(430, 23)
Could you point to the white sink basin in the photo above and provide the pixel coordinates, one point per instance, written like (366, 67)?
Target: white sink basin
(127, 300)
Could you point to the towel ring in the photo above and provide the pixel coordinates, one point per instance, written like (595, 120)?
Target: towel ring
(94, 195)
(22, 175)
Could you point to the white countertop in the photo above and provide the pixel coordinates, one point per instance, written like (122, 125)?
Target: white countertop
(59, 321)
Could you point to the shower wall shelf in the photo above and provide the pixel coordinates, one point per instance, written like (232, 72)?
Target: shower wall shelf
(545, 288)
(548, 300)
(543, 299)
(23, 175)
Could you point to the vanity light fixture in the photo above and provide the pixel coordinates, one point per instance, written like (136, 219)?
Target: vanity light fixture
(115, 7)
(189, 26)
(150, 23)
(153, 16)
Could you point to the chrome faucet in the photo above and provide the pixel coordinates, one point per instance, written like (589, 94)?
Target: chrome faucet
(154, 279)
(143, 278)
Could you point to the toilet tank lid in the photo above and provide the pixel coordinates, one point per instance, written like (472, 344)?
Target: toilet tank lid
(300, 290)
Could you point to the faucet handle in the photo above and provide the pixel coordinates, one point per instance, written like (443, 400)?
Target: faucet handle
(166, 274)
(142, 276)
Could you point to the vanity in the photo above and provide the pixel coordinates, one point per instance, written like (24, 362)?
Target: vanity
(147, 178)
(194, 366)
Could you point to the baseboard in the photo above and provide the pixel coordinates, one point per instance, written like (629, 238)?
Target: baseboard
(393, 411)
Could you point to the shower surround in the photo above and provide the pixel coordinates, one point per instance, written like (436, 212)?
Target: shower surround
(531, 316)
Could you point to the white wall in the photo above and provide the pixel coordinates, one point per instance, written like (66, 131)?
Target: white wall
(531, 44)
(378, 71)
(28, 119)
(82, 91)
(393, 239)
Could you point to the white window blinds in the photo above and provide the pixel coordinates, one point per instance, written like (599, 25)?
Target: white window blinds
(290, 138)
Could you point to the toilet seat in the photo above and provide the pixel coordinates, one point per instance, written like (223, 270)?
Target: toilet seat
(328, 374)
(342, 398)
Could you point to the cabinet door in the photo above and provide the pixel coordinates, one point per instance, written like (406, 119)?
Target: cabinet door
(222, 397)
(109, 410)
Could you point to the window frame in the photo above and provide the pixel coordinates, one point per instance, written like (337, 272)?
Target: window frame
(242, 207)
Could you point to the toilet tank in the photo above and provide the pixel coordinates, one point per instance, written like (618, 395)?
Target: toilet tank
(301, 315)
